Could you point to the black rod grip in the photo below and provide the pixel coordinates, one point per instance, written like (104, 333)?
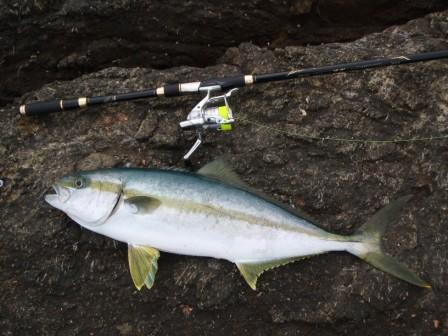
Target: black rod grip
(35, 108)
(38, 107)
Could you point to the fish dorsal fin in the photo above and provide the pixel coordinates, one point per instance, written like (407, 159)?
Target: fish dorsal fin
(251, 271)
(142, 205)
(221, 171)
(142, 265)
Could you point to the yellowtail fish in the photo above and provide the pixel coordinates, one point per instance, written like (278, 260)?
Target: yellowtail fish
(211, 213)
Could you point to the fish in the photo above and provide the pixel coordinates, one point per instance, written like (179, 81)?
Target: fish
(210, 213)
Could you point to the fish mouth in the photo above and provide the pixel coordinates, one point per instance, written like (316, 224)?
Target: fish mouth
(60, 195)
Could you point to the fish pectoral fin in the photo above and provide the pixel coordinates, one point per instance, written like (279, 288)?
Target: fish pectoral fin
(143, 265)
(251, 271)
(143, 204)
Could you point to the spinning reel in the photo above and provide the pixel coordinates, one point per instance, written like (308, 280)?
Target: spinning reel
(211, 113)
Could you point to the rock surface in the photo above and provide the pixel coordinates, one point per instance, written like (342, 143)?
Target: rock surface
(58, 279)
(46, 40)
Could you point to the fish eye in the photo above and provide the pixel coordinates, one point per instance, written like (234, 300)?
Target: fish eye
(79, 183)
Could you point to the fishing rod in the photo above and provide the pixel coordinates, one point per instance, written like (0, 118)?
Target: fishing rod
(214, 112)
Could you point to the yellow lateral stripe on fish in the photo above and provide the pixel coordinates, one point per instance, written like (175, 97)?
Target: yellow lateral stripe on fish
(212, 214)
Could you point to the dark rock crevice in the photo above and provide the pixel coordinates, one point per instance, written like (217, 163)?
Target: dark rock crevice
(47, 40)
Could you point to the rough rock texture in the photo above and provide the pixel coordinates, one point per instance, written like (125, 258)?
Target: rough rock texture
(46, 40)
(58, 279)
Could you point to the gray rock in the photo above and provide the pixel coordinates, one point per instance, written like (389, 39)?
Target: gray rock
(49, 286)
(95, 161)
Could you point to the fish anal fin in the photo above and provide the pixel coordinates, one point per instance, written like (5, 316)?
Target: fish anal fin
(143, 204)
(143, 265)
(251, 271)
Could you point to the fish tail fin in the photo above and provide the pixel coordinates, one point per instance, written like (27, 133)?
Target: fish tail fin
(368, 246)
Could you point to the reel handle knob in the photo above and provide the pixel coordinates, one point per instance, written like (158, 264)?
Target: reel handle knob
(194, 147)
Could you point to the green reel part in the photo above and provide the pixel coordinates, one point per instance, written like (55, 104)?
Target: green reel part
(224, 112)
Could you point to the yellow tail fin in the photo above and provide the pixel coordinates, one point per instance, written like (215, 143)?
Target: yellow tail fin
(370, 248)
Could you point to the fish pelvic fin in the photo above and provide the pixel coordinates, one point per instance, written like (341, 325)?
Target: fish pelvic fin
(143, 265)
(251, 271)
(370, 249)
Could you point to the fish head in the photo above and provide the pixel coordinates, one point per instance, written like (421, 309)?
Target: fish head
(88, 198)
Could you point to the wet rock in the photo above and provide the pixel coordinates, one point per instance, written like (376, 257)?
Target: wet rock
(3, 150)
(216, 286)
(147, 127)
(340, 184)
(125, 329)
(272, 158)
(97, 160)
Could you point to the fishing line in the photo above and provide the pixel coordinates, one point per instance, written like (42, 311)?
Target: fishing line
(365, 141)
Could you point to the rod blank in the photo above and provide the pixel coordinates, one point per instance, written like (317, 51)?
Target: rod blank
(225, 83)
